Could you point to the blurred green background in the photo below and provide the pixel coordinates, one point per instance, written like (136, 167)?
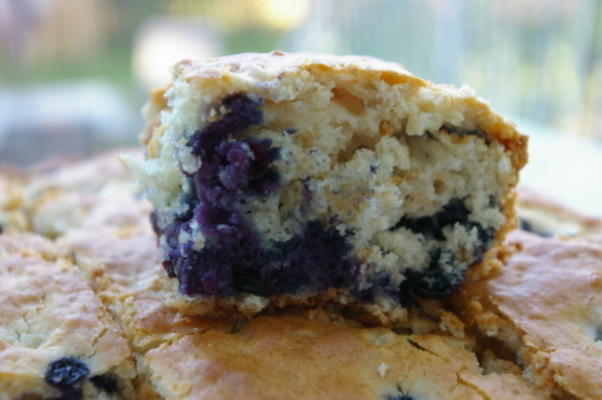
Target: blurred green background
(75, 73)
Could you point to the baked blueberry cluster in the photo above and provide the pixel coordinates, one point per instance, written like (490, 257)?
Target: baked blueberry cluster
(67, 374)
(436, 281)
(233, 258)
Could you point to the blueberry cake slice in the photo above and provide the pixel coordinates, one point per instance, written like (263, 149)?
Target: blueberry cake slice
(295, 357)
(545, 305)
(57, 340)
(301, 178)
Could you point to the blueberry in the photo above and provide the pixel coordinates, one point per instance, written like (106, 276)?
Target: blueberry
(433, 282)
(66, 372)
(73, 393)
(432, 226)
(243, 112)
(318, 258)
(485, 236)
(400, 396)
(231, 170)
(526, 225)
(106, 383)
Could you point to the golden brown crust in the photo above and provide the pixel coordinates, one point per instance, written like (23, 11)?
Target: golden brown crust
(125, 270)
(291, 357)
(546, 304)
(261, 67)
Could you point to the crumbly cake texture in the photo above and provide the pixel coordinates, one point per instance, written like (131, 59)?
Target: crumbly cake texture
(56, 338)
(545, 305)
(297, 178)
(544, 216)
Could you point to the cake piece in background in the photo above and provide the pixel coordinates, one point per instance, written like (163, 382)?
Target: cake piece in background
(73, 194)
(12, 185)
(281, 179)
(54, 197)
(547, 217)
(56, 338)
(544, 304)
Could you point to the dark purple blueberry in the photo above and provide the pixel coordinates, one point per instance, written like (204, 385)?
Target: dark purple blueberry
(432, 226)
(485, 236)
(106, 383)
(433, 282)
(66, 372)
(400, 396)
(242, 113)
(73, 393)
(527, 226)
(233, 259)
(317, 259)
